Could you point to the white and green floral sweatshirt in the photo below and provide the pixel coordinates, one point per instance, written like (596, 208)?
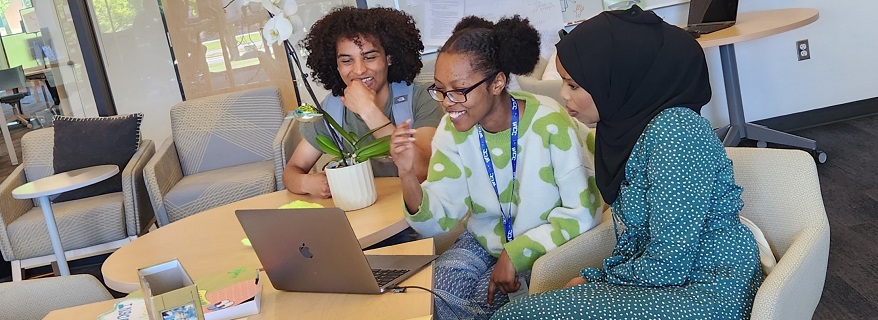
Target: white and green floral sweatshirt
(553, 199)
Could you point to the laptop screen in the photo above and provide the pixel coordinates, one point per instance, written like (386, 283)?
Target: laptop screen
(710, 11)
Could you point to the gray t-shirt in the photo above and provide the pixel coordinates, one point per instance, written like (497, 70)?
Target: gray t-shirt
(426, 112)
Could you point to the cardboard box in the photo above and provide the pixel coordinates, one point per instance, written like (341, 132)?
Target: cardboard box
(169, 292)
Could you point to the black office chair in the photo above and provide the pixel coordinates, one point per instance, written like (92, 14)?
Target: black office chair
(13, 78)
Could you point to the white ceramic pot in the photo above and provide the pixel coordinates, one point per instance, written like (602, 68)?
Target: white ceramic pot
(352, 187)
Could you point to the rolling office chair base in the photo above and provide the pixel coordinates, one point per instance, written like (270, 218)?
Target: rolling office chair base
(20, 116)
(732, 135)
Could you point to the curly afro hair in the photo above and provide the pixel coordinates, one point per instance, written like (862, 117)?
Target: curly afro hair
(394, 30)
(511, 45)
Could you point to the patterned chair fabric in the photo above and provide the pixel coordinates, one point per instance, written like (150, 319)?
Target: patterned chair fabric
(222, 149)
(209, 189)
(81, 223)
(226, 130)
(34, 299)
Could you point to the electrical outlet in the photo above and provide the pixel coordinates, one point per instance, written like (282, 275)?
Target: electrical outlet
(803, 49)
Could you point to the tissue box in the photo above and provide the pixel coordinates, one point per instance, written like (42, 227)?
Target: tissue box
(169, 292)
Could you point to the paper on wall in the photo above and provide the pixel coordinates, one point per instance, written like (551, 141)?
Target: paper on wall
(441, 17)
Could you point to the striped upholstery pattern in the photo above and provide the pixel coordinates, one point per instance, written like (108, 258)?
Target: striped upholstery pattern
(226, 130)
(214, 188)
(11, 208)
(284, 143)
(34, 299)
(81, 223)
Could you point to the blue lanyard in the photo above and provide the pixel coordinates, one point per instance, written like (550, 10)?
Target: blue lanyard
(489, 166)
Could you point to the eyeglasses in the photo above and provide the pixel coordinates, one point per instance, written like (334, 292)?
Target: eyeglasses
(457, 95)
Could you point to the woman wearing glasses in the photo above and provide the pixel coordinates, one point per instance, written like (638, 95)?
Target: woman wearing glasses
(512, 160)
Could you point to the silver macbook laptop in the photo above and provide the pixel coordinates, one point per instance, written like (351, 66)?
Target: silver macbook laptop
(706, 16)
(315, 250)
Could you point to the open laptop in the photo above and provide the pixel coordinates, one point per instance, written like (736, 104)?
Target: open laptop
(315, 250)
(706, 16)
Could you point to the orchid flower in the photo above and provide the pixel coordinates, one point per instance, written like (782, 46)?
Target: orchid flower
(290, 7)
(298, 28)
(277, 30)
(273, 6)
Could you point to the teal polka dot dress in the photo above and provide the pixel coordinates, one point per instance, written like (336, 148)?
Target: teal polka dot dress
(681, 252)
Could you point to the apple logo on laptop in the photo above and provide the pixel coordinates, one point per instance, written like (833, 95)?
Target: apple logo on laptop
(305, 251)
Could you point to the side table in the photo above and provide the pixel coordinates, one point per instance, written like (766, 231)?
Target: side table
(59, 183)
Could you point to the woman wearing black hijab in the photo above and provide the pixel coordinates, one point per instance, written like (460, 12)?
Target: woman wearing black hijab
(681, 250)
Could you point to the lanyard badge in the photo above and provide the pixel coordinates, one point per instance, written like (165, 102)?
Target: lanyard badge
(506, 217)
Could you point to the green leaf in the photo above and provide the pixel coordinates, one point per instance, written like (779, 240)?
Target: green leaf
(377, 148)
(327, 146)
(360, 140)
(349, 137)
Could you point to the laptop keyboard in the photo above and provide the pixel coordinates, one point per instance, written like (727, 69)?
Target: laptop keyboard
(706, 28)
(384, 276)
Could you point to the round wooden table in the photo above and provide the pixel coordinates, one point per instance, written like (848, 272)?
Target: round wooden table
(209, 242)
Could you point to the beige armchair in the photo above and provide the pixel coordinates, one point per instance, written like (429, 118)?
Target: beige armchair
(222, 149)
(781, 195)
(34, 299)
(88, 226)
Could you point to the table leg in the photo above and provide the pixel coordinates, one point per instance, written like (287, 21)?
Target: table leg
(738, 127)
(737, 130)
(54, 236)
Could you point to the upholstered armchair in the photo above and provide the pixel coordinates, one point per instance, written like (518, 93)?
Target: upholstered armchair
(781, 196)
(87, 226)
(34, 299)
(222, 149)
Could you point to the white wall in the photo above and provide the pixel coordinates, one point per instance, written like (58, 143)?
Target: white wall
(775, 83)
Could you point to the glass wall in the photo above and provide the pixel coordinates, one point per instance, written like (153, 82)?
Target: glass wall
(218, 48)
(138, 62)
(21, 34)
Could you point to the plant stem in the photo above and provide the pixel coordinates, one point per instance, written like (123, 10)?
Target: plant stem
(333, 135)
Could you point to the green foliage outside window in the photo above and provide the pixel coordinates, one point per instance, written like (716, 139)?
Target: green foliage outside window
(114, 15)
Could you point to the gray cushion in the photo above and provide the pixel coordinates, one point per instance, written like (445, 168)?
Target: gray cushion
(81, 223)
(109, 140)
(214, 188)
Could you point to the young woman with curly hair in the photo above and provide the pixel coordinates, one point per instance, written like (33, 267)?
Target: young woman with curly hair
(361, 55)
(511, 160)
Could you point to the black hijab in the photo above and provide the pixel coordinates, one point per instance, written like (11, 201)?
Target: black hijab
(634, 65)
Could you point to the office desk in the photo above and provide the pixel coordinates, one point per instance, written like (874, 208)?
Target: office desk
(301, 305)
(209, 242)
(750, 26)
